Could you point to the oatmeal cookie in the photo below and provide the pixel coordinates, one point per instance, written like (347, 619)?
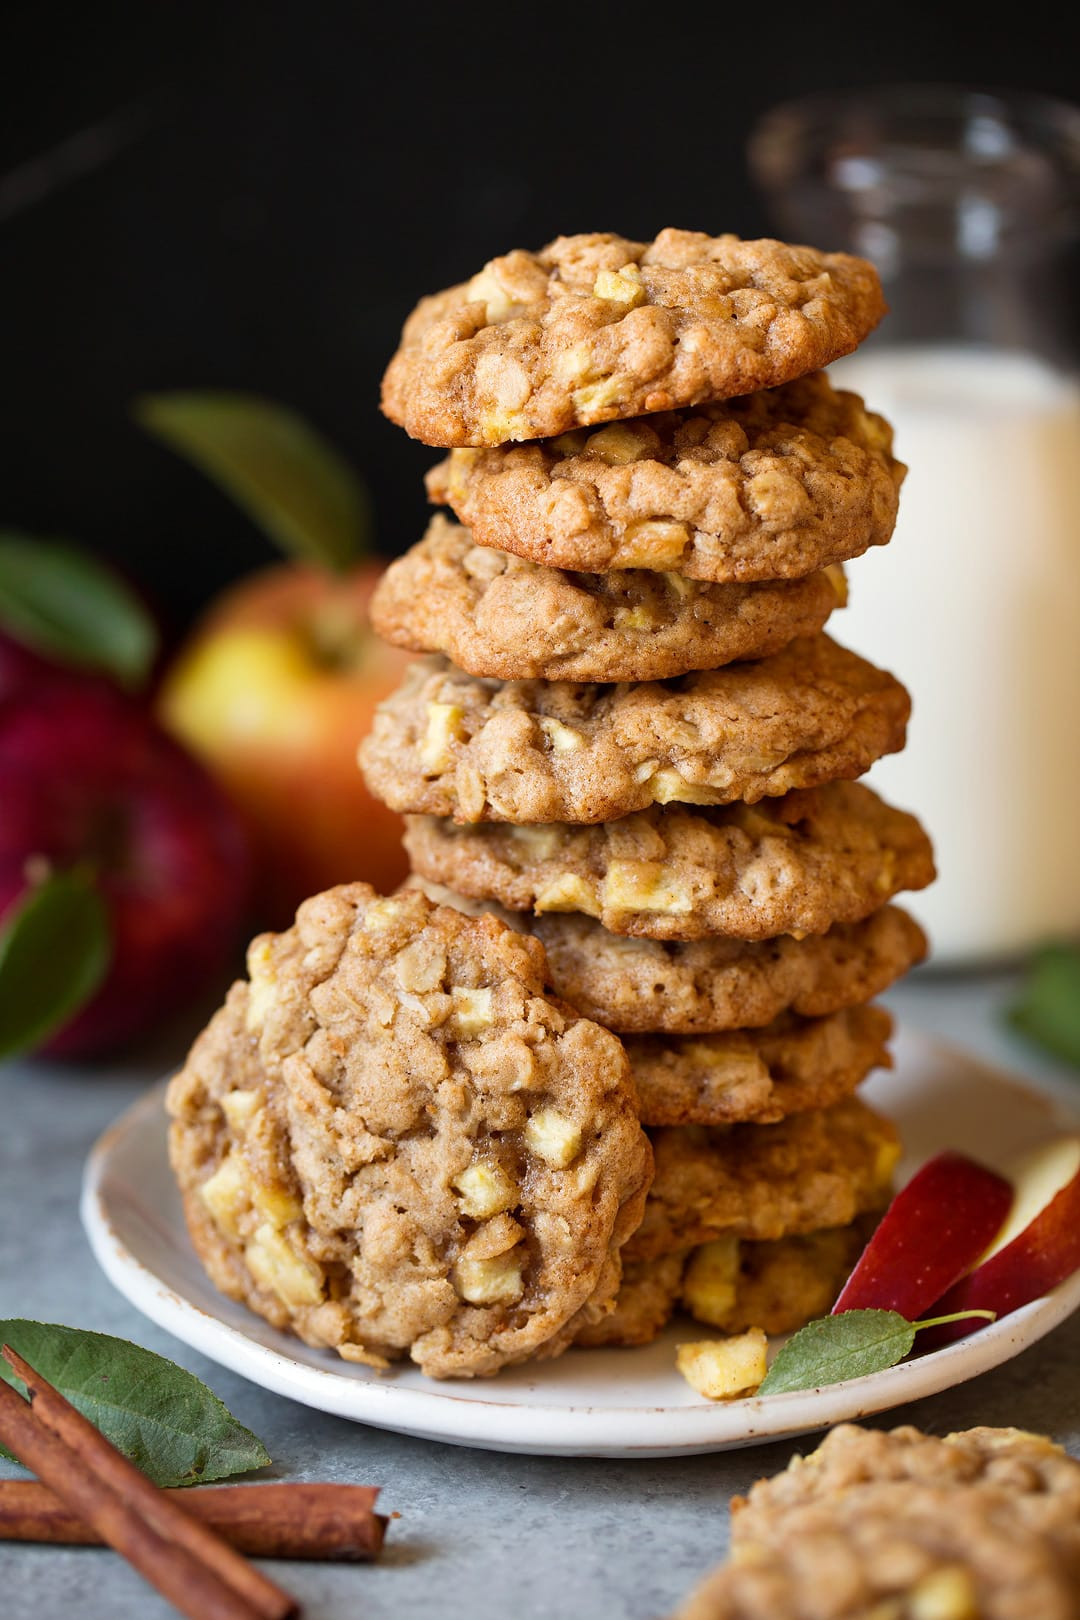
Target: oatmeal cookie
(645, 1303)
(596, 328)
(693, 987)
(497, 615)
(1045, 1481)
(778, 1286)
(759, 1074)
(450, 744)
(732, 1285)
(984, 1524)
(796, 865)
(761, 1182)
(392, 1141)
(774, 485)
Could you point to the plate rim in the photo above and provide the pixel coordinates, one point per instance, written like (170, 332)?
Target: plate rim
(526, 1426)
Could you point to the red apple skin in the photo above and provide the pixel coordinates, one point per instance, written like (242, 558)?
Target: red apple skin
(21, 669)
(89, 777)
(1038, 1259)
(255, 694)
(933, 1231)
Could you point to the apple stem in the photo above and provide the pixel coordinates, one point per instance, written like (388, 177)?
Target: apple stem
(957, 1316)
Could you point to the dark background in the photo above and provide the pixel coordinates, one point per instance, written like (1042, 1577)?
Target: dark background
(253, 196)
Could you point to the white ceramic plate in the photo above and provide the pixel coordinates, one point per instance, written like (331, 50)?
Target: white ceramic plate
(587, 1403)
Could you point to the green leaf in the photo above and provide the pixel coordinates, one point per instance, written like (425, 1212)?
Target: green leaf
(55, 950)
(295, 486)
(1047, 1009)
(61, 602)
(836, 1348)
(158, 1414)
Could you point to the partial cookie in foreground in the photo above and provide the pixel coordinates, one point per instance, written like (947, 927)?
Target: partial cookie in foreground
(984, 1525)
(393, 1142)
(450, 744)
(595, 328)
(691, 987)
(762, 1075)
(497, 615)
(1045, 1480)
(760, 1182)
(796, 865)
(774, 485)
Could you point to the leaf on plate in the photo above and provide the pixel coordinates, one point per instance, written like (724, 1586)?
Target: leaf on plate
(1047, 1010)
(55, 950)
(158, 1414)
(851, 1344)
(288, 479)
(836, 1348)
(61, 602)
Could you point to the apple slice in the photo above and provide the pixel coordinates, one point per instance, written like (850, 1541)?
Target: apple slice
(1037, 1248)
(931, 1234)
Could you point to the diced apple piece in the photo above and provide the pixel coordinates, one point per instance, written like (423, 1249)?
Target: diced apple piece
(493, 1281)
(277, 1267)
(470, 1012)
(553, 1137)
(711, 1280)
(931, 1234)
(278, 1204)
(227, 1194)
(485, 1189)
(240, 1108)
(722, 1369)
(1036, 1248)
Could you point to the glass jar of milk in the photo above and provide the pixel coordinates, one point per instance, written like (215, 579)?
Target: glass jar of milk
(967, 204)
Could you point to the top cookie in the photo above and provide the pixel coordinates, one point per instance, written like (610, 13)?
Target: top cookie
(394, 1141)
(771, 486)
(596, 328)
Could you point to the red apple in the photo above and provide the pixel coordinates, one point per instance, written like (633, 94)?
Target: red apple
(274, 692)
(1037, 1248)
(933, 1231)
(89, 779)
(20, 669)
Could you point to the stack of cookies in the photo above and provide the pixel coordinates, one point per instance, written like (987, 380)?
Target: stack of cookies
(632, 735)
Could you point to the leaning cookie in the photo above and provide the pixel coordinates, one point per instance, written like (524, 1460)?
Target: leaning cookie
(762, 1075)
(391, 1141)
(450, 744)
(761, 1182)
(498, 615)
(984, 1524)
(595, 328)
(796, 865)
(774, 485)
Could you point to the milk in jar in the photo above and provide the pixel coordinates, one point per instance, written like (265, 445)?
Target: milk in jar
(968, 203)
(975, 604)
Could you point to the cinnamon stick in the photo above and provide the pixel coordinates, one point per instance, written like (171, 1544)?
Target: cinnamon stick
(184, 1559)
(335, 1523)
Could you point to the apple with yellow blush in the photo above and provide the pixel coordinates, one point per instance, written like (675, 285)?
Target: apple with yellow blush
(273, 692)
(278, 683)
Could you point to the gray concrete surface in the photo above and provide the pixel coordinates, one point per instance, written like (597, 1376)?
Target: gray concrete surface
(481, 1536)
